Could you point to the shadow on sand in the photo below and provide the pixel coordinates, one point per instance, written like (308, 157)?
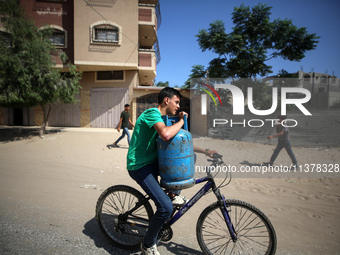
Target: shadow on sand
(247, 163)
(92, 230)
(12, 134)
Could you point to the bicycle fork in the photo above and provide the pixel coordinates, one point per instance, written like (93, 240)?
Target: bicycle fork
(225, 213)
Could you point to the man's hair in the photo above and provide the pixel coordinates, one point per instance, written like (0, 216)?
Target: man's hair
(168, 92)
(282, 117)
(127, 105)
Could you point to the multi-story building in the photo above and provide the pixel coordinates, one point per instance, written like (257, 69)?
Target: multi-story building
(113, 42)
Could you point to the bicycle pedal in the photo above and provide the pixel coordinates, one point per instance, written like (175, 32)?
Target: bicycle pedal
(165, 234)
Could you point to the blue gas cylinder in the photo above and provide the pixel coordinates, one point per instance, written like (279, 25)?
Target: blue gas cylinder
(176, 158)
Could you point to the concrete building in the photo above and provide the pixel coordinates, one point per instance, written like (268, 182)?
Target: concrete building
(113, 42)
(324, 88)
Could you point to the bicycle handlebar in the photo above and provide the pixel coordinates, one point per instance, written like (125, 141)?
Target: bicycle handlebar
(216, 155)
(217, 159)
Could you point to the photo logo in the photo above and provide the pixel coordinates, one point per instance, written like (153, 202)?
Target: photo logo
(239, 100)
(204, 98)
(264, 98)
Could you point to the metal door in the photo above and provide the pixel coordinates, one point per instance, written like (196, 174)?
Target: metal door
(65, 115)
(107, 105)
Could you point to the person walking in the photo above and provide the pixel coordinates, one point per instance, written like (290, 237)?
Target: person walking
(282, 132)
(124, 123)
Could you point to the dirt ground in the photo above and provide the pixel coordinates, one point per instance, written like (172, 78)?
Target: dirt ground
(66, 172)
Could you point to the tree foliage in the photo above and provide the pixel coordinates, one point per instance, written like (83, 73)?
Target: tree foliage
(162, 84)
(197, 71)
(28, 76)
(254, 40)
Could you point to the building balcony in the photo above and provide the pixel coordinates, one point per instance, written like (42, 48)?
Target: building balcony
(154, 4)
(147, 62)
(148, 22)
(147, 28)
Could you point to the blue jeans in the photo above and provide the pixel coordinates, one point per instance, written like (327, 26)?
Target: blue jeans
(146, 177)
(125, 131)
(280, 145)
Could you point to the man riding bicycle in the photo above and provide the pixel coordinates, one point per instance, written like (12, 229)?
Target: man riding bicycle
(142, 160)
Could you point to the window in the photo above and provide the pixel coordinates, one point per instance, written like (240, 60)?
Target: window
(6, 38)
(105, 32)
(323, 80)
(321, 90)
(51, 0)
(333, 79)
(110, 75)
(306, 78)
(57, 38)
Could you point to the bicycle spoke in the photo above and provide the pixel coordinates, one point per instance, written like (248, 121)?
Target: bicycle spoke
(126, 230)
(252, 230)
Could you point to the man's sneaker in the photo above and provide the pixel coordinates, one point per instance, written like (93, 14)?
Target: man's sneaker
(149, 251)
(267, 164)
(293, 168)
(179, 200)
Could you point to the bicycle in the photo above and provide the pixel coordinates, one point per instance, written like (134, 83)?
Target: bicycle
(227, 226)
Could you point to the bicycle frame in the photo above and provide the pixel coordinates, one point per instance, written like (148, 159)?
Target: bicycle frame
(194, 199)
(209, 185)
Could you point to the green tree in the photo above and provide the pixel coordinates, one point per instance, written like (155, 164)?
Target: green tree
(197, 71)
(28, 76)
(162, 84)
(254, 40)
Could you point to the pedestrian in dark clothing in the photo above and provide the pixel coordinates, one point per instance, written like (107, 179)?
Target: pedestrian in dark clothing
(282, 132)
(124, 123)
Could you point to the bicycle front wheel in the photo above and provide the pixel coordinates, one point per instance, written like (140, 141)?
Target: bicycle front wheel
(255, 233)
(125, 230)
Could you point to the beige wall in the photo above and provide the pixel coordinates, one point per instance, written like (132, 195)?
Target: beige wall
(124, 14)
(198, 122)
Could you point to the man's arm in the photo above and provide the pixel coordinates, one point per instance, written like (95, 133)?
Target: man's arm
(168, 132)
(131, 123)
(207, 152)
(120, 122)
(276, 135)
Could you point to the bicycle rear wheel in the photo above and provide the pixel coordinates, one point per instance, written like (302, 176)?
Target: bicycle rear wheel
(255, 233)
(125, 231)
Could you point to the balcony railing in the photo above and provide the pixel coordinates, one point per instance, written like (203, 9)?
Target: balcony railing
(157, 51)
(158, 15)
(154, 49)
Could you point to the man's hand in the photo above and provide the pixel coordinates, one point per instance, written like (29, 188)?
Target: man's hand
(211, 153)
(118, 129)
(269, 137)
(207, 152)
(182, 114)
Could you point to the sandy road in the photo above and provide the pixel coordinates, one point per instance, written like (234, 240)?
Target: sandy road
(49, 188)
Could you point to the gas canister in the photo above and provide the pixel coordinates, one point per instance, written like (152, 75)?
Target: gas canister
(176, 158)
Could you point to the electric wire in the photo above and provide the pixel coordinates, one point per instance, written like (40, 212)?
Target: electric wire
(108, 21)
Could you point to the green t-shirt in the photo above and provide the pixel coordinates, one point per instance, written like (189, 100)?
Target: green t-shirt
(143, 145)
(125, 119)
